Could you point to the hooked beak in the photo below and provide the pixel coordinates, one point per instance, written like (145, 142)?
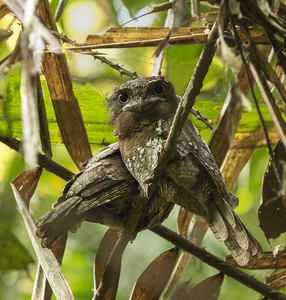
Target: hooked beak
(140, 104)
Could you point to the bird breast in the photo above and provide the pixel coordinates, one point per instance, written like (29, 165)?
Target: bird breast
(140, 152)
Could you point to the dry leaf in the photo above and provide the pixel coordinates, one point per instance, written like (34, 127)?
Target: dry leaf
(27, 182)
(153, 280)
(208, 289)
(277, 280)
(65, 104)
(102, 256)
(183, 221)
(182, 291)
(272, 211)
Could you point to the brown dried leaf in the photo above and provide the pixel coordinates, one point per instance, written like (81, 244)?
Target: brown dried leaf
(134, 34)
(208, 289)
(224, 131)
(181, 292)
(235, 161)
(27, 182)
(241, 150)
(272, 211)
(102, 256)
(277, 281)
(183, 221)
(276, 277)
(153, 280)
(4, 10)
(65, 104)
(196, 235)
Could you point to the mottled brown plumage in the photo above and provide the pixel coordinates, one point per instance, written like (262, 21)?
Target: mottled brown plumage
(102, 192)
(142, 111)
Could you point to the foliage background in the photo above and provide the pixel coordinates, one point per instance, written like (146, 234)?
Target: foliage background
(92, 81)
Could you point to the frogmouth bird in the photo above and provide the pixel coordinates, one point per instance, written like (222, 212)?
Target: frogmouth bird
(142, 111)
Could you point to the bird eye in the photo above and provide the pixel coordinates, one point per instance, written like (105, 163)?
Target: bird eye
(159, 89)
(123, 97)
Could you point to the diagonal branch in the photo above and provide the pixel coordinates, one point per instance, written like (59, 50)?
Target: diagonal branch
(43, 160)
(217, 263)
(193, 88)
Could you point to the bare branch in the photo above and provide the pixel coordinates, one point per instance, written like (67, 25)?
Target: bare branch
(43, 161)
(217, 263)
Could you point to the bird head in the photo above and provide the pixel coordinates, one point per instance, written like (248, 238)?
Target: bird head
(141, 101)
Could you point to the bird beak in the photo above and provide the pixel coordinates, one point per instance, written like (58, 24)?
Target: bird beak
(140, 104)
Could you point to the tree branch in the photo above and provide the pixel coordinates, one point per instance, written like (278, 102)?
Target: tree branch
(217, 263)
(43, 161)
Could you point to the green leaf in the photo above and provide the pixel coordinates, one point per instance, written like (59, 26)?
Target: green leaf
(14, 256)
(95, 115)
(181, 62)
(92, 106)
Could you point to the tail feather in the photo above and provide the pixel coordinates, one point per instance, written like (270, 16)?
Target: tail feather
(226, 211)
(240, 233)
(58, 221)
(240, 242)
(240, 255)
(217, 224)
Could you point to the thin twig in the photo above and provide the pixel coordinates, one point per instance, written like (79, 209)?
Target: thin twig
(96, 55)
(193, 88)
(117, 67)
(155, 8)
(43, 161)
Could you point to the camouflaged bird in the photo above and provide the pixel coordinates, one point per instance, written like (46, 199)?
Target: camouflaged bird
(142, 112)
(103, 192)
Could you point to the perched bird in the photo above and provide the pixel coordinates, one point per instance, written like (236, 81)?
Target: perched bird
(142, 111)
(102, 192)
